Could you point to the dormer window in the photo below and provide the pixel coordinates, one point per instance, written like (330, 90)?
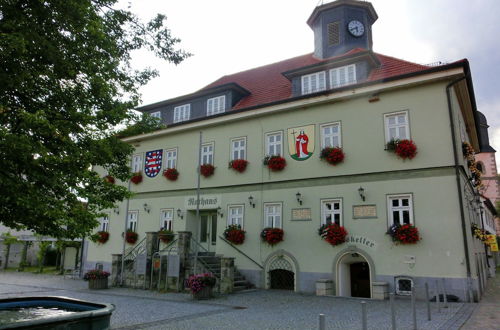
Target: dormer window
(345, 75)
(313, 82)
(216, 105)
(156, 114)
(182, 113)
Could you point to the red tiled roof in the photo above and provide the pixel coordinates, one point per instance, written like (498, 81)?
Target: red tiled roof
(267, 83)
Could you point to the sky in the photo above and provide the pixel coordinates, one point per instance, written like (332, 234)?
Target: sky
(228, 36)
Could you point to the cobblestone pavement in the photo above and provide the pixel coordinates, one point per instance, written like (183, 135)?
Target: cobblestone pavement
(487, 313)
(259, 309)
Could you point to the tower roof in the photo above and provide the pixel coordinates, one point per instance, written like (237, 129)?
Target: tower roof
(330, 5)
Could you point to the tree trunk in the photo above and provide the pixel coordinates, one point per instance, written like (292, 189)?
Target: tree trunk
(24, 255)
(7, 252)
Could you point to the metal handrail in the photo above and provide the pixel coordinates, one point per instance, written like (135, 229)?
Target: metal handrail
(169, 246)
(199, 245)
(243, 253)
(136, 249)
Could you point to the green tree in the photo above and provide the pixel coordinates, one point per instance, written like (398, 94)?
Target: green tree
(65, 82)
(8, 240)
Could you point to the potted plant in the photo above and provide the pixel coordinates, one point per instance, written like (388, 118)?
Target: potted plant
(479, 233)
(332, 155)
(234, 234)
(332, 233)
(166, 235)
(404, 234)
(136, 177)
(238, 165)
(207, 170)
(100, 237)
(275, 163)
(98, 279)
(110, 179)
(131, 237)
(272, 236)
(201, 285)
(402, 148)
(171, 174)
(467, 150)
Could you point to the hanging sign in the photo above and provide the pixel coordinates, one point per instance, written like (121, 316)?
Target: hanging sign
(301, 142)
(492, 242)
(152, 164)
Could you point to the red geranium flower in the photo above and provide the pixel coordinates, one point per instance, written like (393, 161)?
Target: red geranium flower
(136, 178)
(275, 163)
(333, 233)
(404, 234)
(238, 165)
(272, 235)
(207, 170)
(171, 174)
(131, 237)
(235, 234)
(332, 155)
(406, 149)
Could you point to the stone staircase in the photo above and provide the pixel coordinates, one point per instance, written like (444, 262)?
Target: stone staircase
(212, 264)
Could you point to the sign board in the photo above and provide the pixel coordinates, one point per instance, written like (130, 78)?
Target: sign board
(156, 263)
(173, 265)
(492, 242)
(207, 202)
(140, 264)
(364, 211)
(361, 240)
(301, 214)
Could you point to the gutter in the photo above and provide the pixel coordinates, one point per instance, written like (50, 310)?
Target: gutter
(457, 169)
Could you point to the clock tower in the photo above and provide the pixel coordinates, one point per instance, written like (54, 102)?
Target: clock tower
(341, 26)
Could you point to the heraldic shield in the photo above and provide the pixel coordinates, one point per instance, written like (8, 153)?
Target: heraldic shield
(301, 142)
(152, 164)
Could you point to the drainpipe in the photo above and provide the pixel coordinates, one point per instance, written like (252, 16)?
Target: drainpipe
(457, 173)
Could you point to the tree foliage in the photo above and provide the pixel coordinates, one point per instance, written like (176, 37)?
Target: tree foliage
(65, 82)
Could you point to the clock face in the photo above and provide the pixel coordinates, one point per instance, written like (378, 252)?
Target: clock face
(356, 28)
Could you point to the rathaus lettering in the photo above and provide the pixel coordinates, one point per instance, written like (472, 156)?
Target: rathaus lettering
(202, 201)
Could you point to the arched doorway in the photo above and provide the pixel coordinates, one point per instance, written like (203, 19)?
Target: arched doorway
(353, 276)
(281, 271)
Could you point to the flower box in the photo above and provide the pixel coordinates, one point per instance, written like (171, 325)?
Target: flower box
(100, 237)
(275, 163)
(404, 234)
(405, 149)
(201, 285)
(333, 233)
(171, 174)
(131, 237)
(207, 170)
(98, 279)
(238, 165)
(136, 178)
(272, 236)
(235, 234)
(332, 156)
(109, 179)
(166, 236)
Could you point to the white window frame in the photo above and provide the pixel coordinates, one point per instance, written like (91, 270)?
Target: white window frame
(325, 211)
(104, 226)
(156, 114)
(400, 209)
(207, 155)
(216, 105)
(132, 223)
(182, 113)
(171, 158)
(274, 143)
(331, 136)
(343, 76)
(240, 151)
(166, 221)
(314, 82)
(273, 219)
(136, 163)
(397, 126)
(236, 218)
